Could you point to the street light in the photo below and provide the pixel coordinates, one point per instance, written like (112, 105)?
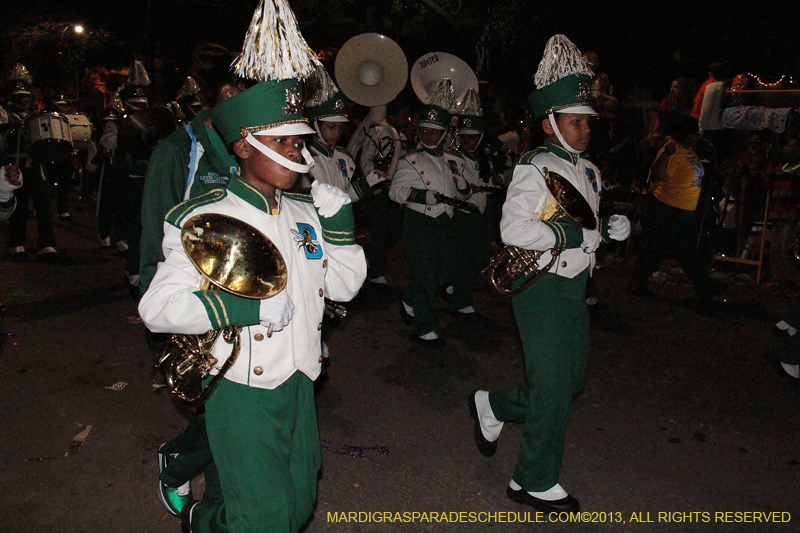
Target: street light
(78, 29)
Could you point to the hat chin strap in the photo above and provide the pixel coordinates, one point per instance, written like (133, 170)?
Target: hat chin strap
(319, 134)
(567, 147)
(278, 158)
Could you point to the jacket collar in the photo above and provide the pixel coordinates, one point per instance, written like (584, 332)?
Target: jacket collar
(213, 146)
(435, 153)
(250, 194)
(559, 151)
(321, 148)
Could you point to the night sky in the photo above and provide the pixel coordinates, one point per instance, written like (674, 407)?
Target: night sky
(643, 44)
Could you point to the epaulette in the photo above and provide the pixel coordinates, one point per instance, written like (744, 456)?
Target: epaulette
(527, 157)
(452, 152)
(299, 197)
(177, 214)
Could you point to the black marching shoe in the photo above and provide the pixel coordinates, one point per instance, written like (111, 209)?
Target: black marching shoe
(487, 448)
(564, 505)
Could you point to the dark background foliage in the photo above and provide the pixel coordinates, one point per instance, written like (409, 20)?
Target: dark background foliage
(641, 45)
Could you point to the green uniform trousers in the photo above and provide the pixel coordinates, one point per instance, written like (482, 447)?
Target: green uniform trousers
(553, 322)
(385, 220)
(471, 235)
(266, 448)
(430, 251)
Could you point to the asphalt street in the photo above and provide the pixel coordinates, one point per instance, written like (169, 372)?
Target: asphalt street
(686, 423)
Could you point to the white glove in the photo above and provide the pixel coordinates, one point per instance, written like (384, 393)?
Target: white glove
(591, 241)
(276, 312)
(328, 199)
(430, 199)
(619, 227)
(6, 187)
(374, 178)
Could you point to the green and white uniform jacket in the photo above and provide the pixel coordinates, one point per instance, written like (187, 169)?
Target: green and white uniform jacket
(473, 177)
(423, 170)
(528, 197)
(336, 167)
(330, 265)
(190, 162)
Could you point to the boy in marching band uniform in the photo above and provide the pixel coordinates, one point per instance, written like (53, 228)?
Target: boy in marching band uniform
(470, 229)
(551, 313)
(333, 164)
(428, 181)
(261, 419)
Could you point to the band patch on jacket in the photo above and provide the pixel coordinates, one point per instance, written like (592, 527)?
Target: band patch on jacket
(592, 178)
(214, 178)
(453, 166)
(305, 236)
(342, 167)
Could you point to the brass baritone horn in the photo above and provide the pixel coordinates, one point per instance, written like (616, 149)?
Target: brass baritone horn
(232, 256)
(512, 263)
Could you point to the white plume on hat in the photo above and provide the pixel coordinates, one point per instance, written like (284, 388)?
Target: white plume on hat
(189, 88)
(19, 72)
(561, 58)
(471, 104)
(138, 75)
(444, 96)
(320, 87)
(274, 48)
(116, 104)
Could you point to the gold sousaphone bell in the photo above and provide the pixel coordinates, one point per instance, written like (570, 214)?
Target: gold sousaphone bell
(232, 256)
(512, 263)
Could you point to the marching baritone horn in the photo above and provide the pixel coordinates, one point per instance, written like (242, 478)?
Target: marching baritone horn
(512, 263)
(232, 256)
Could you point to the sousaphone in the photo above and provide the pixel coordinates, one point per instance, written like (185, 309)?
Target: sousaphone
(429, 70)
(371, 69)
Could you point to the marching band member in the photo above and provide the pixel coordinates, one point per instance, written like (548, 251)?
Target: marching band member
(10, 180)
(189, 163)
(333, 164)
(551, 313)
(36, 187)
(188, 103)
(427, 182)
(383, 216)
(192, 161)
(60, 170)
(470, 230)
(261, 419)
(128, 174)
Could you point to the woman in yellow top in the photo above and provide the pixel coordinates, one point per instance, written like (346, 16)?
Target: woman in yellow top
(668, 215)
